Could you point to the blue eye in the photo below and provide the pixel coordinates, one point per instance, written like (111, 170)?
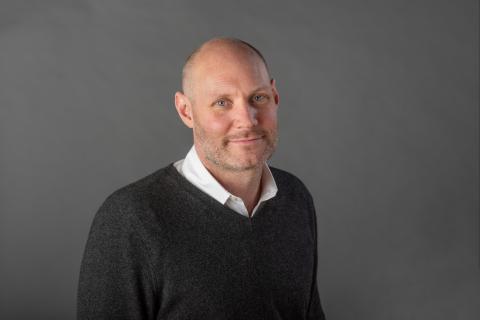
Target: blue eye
(221, 103)
(259, 98)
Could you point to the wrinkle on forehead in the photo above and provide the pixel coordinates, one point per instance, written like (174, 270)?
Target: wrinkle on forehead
(217, 55)
(230, 87)
(229, 79)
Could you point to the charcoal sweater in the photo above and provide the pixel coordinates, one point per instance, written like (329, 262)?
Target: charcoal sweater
(160, 248)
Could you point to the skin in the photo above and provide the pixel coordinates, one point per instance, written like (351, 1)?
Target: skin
(231, 104)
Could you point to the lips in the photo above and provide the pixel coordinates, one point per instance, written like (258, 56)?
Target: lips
(247, 140)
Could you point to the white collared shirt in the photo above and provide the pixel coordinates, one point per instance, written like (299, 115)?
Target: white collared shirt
(194, 171)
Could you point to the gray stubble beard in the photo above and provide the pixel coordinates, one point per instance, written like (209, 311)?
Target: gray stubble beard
(216, 156)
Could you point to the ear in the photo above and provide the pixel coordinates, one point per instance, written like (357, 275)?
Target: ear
(275, 92)
(184, 108)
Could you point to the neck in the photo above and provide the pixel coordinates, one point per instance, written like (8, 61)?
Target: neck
(244, 184)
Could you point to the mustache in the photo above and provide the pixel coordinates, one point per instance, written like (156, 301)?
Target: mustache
(254, 133)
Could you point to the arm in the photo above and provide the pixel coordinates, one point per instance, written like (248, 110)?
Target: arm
(315, 310)
(115, 276)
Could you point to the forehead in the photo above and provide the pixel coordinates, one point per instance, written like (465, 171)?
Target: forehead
(227, 70)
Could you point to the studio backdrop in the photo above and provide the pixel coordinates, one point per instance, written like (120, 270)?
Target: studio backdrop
(378, 116)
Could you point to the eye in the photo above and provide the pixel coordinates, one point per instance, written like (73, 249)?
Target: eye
(221, 103)
(259, 98)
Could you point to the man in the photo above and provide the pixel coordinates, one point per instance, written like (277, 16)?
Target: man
(219, 234)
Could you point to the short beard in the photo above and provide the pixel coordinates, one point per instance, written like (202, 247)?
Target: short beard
(216, 155)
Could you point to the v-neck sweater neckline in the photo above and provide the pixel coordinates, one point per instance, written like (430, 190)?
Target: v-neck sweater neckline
(209, 201)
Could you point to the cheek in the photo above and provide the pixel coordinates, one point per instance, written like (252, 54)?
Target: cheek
(268, 118)
(216, 125)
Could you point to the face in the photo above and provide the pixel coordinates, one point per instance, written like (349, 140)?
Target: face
(234, 111)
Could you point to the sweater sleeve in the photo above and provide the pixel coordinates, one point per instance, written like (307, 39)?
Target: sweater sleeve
(115, 276)
(315, 311)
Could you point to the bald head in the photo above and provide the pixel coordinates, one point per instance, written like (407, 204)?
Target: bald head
(214, 50)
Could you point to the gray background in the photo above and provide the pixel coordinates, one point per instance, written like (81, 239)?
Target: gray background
(378, 116)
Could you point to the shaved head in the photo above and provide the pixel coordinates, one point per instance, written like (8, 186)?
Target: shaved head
(216, 46)
(230, 101)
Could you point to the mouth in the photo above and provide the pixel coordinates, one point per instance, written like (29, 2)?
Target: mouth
(249, 140)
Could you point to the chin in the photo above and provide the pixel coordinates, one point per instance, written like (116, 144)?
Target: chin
(238, 160)
(240, 168)
(247, 164)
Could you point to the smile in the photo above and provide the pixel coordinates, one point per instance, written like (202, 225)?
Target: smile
(247, 140)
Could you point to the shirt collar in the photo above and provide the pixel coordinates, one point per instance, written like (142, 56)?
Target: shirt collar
(194, 170)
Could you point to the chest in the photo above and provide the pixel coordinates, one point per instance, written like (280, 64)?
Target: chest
(235, 267)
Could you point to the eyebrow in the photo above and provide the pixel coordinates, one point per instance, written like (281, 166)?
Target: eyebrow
(217, 94)
(261, 88)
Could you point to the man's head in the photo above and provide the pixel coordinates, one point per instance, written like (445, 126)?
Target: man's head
(230, 102)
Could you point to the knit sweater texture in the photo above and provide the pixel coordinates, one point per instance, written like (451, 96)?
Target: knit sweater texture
(160, 248)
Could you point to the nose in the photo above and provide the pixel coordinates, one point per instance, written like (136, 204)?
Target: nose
(245, 115)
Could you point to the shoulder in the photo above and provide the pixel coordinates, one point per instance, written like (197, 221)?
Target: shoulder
(288, 182)
(144, 188)
(294, 198)
(283, 175)
(126, 204)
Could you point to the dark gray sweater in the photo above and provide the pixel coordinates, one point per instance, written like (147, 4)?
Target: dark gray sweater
(160, 248)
